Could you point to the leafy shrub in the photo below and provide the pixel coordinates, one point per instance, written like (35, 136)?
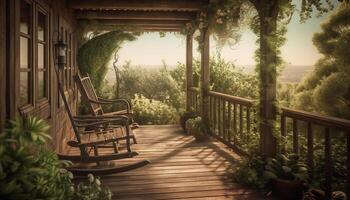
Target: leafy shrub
(285, 167)
(250, 171)
(148, 111)
(197, 128)
(29, 170)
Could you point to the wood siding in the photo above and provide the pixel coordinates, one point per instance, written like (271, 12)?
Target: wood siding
(2, 62)
(58, 17)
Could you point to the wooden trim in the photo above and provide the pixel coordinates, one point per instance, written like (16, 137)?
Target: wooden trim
(159, 5)
(205, 75)
(3, 107)
(189, 70)
(137, 22)
(314, 118)
(135, 15)
(232, 99)
(11, 70)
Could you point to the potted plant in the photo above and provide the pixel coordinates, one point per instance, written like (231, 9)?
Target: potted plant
(185, 116)
(197, 128)
(286, 177)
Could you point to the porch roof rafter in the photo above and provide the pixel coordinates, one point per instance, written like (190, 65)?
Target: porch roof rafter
(145, 5)
(135, 15)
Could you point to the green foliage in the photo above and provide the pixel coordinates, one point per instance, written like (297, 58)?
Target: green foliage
(326, 89)
(91, 190)
(287, 167)
(95, 54)
(197, 128)
(162, 85)
(249, 171)
(196, 123)
(225, 77)
(150, 111)
(29, 169)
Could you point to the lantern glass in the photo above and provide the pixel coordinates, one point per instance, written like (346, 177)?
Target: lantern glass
(61, 49)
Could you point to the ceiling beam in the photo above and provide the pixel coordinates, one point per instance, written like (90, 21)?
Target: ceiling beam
(151, 5)
(161, 23)
(135, 15)
(141, 28)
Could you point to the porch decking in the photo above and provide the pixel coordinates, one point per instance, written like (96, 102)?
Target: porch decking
(181, 168)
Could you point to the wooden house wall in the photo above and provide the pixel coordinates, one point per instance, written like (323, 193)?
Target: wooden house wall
(2, 63)
(59, 18)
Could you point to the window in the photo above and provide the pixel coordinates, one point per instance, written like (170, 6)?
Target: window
(26, 68)
(42, 56)
(33, 54)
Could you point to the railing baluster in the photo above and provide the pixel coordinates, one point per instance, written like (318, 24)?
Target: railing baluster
(295, 136)
(283, 130)
(224, 122)
(215, 111)
(229, 121)
(348, 163)
(219, 117)
(235, 123)
(241, 121)
(310, 151)
(248, 120)
(328, 154)
(209, 114)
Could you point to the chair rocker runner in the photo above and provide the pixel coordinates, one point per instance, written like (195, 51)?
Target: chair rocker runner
(94, 132)
(95, 103)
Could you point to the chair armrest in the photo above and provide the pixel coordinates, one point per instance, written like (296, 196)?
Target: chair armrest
(114, 101)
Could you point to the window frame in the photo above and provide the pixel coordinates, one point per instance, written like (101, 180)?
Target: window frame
(30, 70)
(45, 43)
(35, 102)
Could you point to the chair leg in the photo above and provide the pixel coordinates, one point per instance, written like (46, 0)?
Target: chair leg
(115, 146)
(134, 138)
(96, 154)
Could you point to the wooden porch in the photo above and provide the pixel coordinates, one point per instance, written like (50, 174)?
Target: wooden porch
(180, 168)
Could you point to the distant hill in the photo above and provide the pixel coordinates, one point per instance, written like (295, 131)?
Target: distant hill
(290, 74)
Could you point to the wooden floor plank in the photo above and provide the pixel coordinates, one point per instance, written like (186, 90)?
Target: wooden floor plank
(181, 168)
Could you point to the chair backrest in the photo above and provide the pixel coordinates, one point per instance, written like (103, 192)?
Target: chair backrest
(88, 93)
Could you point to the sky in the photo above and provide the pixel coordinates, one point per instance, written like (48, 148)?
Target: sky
(151, 49)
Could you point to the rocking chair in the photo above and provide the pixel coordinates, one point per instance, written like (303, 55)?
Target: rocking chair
(94, 132)
(95, 103)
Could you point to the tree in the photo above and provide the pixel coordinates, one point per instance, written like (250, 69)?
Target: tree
(95, 54)
(327, 88)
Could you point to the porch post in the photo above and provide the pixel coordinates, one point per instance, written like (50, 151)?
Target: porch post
(189, 71)
(267, 72)
(205, 76)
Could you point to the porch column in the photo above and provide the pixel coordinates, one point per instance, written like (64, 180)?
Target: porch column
(189, 71)
(205, 76)
(267, 72)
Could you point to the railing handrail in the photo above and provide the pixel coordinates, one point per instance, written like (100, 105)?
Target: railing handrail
(193, 89)
(332, 122)
(233, 99)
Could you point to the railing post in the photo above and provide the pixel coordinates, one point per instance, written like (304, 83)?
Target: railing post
(205, 76)
(189, 71)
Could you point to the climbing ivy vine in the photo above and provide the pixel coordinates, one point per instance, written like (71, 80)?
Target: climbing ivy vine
(94, 55)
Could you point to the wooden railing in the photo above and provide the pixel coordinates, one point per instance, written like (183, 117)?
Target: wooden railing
(194, 103)
(332, 127)
(230, 119)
